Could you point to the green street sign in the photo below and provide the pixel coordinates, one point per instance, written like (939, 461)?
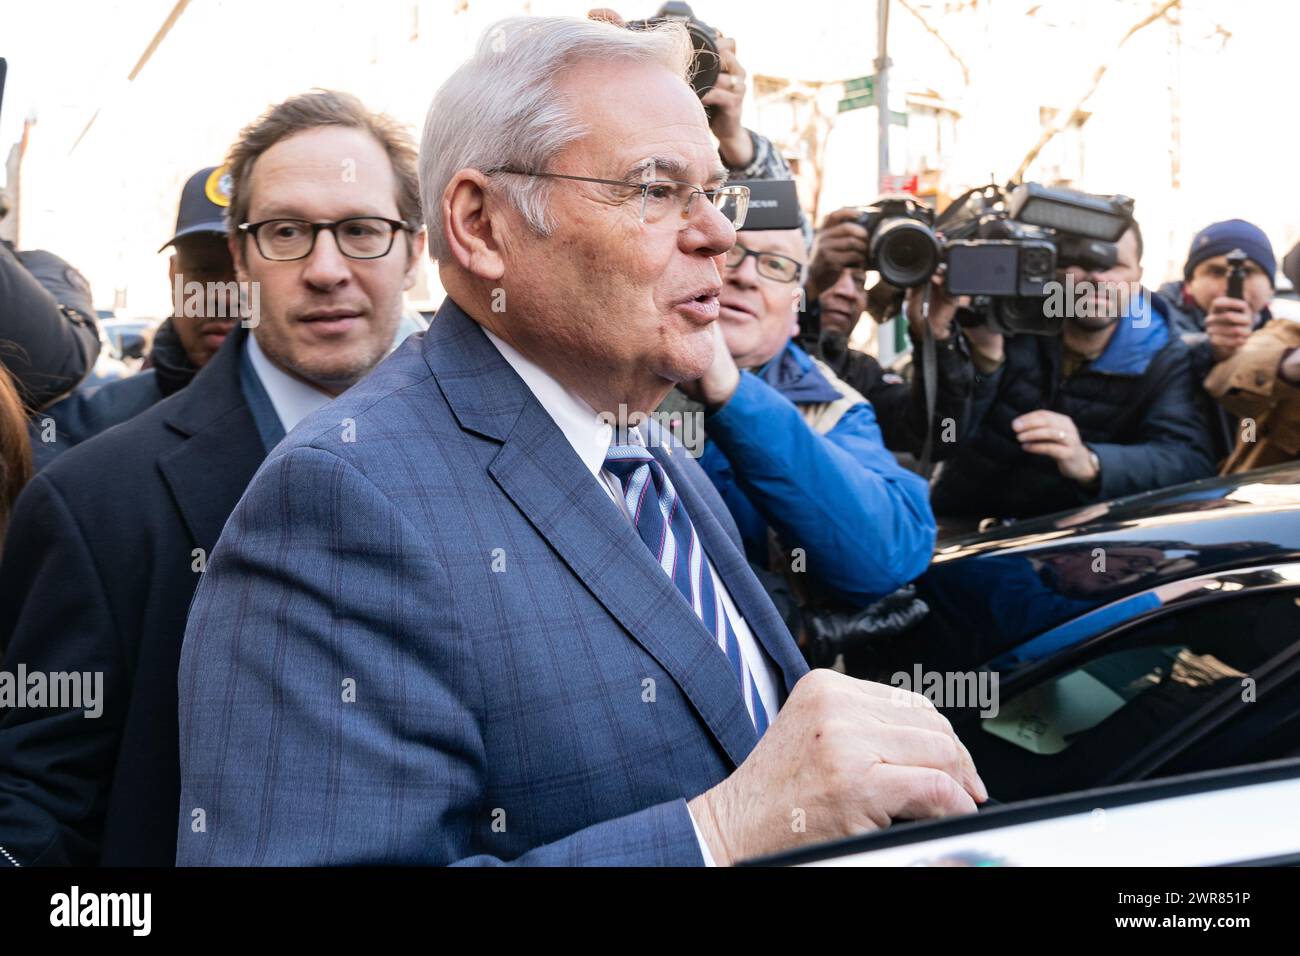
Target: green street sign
(866, 84)
(857, 101)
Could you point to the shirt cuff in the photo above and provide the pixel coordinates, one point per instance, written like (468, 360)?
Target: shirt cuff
(699, 838)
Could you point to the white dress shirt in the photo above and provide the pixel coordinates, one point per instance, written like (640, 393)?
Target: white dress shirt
(292, 399)
(590, 437)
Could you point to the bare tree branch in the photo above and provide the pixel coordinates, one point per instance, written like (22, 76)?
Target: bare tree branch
(965, 70)
(1065, 116)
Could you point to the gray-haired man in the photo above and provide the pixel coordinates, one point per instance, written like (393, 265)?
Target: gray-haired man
(506, 631)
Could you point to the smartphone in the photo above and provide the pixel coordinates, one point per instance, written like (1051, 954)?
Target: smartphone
(1237, 275)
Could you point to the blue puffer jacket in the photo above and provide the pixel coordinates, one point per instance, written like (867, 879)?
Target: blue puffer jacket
(864, 522)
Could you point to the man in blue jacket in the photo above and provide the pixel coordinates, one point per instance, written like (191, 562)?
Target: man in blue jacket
(795, 453)
(1108, 407)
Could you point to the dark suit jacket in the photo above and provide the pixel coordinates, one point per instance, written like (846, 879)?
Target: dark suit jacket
(97, 575)
(431, 637)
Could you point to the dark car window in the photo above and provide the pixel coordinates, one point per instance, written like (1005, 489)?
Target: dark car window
(1074, 727)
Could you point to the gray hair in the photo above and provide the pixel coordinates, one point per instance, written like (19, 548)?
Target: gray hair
(502, 109)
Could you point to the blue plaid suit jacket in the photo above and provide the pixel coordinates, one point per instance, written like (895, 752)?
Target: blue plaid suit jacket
(427, 635)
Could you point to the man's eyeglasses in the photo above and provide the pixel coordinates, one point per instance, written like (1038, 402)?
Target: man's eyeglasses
(360, 237)
(667, 200)
(769, 264)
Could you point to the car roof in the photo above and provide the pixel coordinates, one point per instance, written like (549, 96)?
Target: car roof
(1009, 585)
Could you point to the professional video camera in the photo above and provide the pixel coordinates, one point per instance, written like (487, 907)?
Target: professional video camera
(1002, 246)
(707, 64)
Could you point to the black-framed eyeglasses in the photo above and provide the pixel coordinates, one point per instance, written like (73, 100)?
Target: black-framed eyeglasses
(770, 265)
(358, 237)
(668, 200)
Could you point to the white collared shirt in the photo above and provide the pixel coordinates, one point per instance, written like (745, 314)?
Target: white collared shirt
(292, 399)
(590, 436)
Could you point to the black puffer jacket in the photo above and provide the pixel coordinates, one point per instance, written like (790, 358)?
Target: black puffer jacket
(1136, 406)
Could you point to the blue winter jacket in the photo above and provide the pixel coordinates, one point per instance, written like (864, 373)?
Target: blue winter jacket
(863, 521)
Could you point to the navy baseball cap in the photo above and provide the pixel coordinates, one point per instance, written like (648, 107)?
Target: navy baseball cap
(203, 204)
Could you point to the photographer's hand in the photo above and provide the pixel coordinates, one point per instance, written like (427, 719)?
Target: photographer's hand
(840, 244)
(1055, 435)
(943, 307)
(987, 348)
(1227, 326)
(727, 97)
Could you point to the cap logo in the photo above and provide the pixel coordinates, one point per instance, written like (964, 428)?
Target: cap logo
(217, 188)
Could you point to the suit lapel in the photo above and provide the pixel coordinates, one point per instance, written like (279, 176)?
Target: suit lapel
(539, 471)
(732, 567)
(208, 472)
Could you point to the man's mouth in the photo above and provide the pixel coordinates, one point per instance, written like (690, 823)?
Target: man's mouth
(737, 310)
(215, 333)
(330, 321)
(702, 308)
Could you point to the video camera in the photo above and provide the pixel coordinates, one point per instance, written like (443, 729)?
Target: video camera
(1002, 246)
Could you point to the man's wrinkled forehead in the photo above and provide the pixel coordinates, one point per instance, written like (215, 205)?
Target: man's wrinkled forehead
(330, 172)
(642, 123)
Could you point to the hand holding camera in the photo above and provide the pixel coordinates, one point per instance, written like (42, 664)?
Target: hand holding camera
(1228, 325)
(841, 244)
(986, 342)
(724, 103)
(1230, 318)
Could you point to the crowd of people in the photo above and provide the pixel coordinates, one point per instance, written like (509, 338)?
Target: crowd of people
(356, 600)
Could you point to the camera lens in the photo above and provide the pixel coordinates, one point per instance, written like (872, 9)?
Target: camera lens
(904, 252)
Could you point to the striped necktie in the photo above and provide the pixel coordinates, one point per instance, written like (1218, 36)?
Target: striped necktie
(661, 521)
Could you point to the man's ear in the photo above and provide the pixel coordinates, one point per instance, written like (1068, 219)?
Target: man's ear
(237, 255)
(413, 260)
(473, 225)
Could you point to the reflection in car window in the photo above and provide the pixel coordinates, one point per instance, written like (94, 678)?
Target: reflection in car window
(1072, 726)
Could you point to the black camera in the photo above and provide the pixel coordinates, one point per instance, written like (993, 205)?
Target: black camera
(903, 247)
(706, 64)
(1002, 247)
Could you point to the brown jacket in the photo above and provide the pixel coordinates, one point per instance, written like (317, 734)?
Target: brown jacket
(1248, 385)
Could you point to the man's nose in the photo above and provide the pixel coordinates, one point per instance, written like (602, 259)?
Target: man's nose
(708, 232)
(745, 275)
(326, 267)
(845, 286)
